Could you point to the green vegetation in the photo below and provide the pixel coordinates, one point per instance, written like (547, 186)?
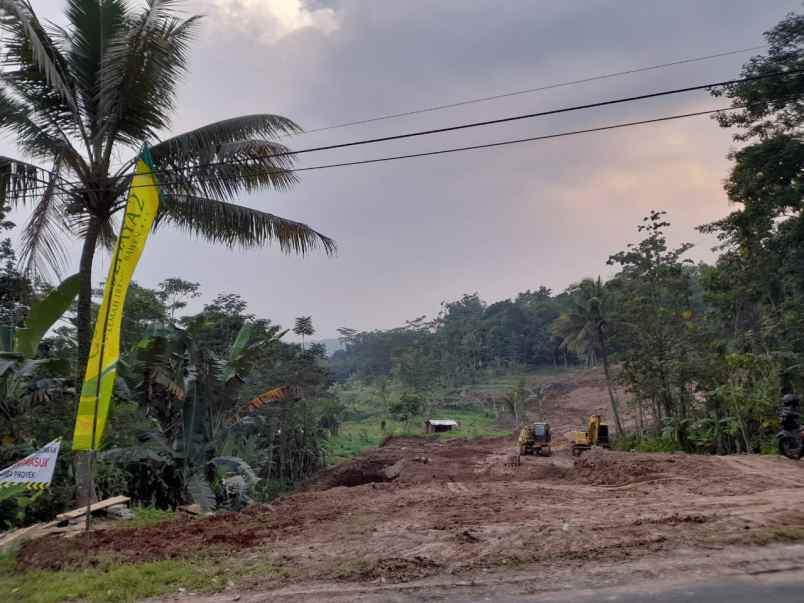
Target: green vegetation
(356, 436)
(181, 429)
(117, 583)
(146, 516)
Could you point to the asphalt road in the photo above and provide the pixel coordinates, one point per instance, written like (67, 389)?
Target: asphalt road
(787, 588)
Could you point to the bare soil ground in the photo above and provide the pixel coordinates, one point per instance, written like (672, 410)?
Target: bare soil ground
(426, 509)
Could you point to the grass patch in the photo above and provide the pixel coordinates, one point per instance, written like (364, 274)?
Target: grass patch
(356, 436)
(113, 582)
(147, 516)
(118, 584)
(367, 405)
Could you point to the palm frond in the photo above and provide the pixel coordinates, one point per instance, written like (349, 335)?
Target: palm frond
(107, 237)
(20, 181)
(236, 225)
(39, 134)
(140, 69)
(201, 492)
(226, 159)
(42, 251)
(29, 46)
(93, 25)
(196, 144)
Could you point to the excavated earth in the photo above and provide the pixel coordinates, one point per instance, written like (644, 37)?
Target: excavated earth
(425, 507)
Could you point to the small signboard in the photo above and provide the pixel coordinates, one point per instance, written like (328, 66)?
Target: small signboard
(35, 471)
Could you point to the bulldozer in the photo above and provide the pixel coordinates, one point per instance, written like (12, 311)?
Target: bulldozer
(535, 439)
(596, 434)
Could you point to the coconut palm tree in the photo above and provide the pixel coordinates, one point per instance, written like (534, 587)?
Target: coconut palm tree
(304, 326)
(81, 96)
(584, 330)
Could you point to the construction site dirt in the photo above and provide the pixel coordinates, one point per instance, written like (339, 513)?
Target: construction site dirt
(425, 507)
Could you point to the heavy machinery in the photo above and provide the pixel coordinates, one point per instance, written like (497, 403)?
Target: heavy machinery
(535, 439)
(596, 434)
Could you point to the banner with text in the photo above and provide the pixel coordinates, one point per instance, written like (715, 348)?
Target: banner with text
(96, 392)
(34, 471)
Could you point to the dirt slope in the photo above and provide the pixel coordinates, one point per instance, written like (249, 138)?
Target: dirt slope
(420, 507)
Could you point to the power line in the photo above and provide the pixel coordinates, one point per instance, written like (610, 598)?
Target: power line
(490, 145)
(496, 121)
(519, 140)
(502, 120)
(483, 99)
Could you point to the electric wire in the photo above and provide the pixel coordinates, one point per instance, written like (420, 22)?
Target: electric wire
(483, 99)
(501, 120)
(496, 121)
(608, 127)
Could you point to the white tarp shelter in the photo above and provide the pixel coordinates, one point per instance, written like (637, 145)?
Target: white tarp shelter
(436, 425)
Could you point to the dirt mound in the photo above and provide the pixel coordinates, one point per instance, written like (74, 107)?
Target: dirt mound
(359, 472)
(696, 474)
(415, 460)
(179, 538)
(456, 504)
(167, 540)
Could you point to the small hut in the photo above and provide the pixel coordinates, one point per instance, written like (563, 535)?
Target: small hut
(439, 425)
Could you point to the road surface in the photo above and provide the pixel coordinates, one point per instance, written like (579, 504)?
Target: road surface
(783, 588)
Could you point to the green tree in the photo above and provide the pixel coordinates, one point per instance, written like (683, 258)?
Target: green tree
(143, 308)
(759, 278)
(515, 400)
(101, 87)
(584, 329)
(654, 307)
(175, 292)
(304, 327)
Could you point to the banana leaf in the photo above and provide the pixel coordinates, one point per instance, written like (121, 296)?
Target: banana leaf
(234, 464)
(44, 313)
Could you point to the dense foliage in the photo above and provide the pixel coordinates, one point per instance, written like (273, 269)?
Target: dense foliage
(181, 428)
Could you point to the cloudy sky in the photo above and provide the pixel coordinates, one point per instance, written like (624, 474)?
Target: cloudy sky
(413, 233)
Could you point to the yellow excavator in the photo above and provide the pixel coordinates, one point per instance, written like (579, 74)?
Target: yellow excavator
(596, 434)
(535, 439)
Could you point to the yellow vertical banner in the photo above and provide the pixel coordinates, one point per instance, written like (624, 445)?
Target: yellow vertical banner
(96, 392)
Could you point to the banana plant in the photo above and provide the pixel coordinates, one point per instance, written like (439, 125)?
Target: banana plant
(186, 390)
(44, 313)
(25, 380)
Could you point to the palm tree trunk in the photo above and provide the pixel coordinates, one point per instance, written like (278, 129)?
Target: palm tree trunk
(84, 318)
(85, 487)
(615, 406)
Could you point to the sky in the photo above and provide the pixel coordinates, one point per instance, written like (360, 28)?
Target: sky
(417, 232)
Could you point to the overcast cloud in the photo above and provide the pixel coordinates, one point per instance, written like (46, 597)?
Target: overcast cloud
(413, 233)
